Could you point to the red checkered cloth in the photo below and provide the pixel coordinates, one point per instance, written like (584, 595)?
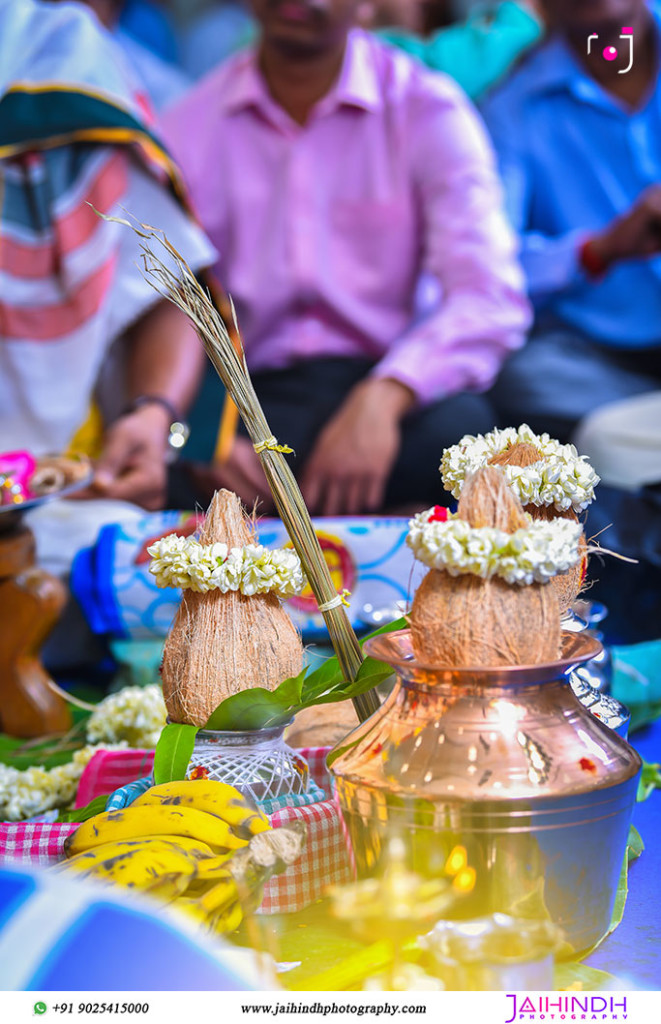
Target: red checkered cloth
(33, 843)
(324, 862)
(110, 769)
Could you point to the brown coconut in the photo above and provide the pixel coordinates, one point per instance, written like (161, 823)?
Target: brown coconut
(221, 644)
(322, 726)
(464, 620)
(567, 585)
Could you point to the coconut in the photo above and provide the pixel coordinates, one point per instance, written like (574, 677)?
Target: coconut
(567, 585)
(519, 454)
(324, 725)
(221, 644)
(468, 621)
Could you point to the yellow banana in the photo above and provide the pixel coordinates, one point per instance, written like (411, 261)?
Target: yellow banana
(195, 848)
(89, 857)
(167, 888)
(214, 901)
(158, 868)
(210, 868)
(229, 920)
(192, 909)
(219, 896)
(209, 871)
(215, 798)
(107, 853)
(152, 820)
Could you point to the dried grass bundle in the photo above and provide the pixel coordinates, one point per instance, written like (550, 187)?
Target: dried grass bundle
(467, 621)
(174, 280)
(221, 644)
(567, 585)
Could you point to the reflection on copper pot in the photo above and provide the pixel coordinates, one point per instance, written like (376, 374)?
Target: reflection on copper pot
(507, 763)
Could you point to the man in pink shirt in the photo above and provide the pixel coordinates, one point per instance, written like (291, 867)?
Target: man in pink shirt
(331, 172)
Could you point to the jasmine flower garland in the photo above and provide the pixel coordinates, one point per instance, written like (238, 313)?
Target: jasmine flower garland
(534, 554)
(561, 478)
(133, 717)
(251, 569)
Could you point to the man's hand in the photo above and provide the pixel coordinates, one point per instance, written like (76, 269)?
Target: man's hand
(349, 467)
(241, 472)
(132, 464)
(635, 235)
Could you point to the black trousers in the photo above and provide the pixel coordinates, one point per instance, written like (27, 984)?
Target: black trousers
(300, 400)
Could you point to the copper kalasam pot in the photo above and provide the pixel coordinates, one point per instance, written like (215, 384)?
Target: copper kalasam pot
(507, 763)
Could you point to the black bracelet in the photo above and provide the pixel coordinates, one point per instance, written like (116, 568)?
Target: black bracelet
(141, 400)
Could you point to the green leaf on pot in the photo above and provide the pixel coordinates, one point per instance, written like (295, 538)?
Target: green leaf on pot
(572, 974)
(173, 752)
(390, 627)
(650, 779)
(79, 814)
(635, 847)
(635, 844)
(370, 674)
(257, 708)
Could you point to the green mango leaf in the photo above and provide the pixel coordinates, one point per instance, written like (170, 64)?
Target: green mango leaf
(635, 847)
(568, 975)
(257, 707)
(333, 755)
(323, 679)
(390, 627)
(650, 779)
(328, 677)
(79, 814)
(635, 844)
(173, 752)
(370, 674)
(644, 714)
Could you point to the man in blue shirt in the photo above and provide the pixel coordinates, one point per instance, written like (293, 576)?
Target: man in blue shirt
(578, 135)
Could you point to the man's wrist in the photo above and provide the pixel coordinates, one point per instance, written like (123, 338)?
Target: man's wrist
(154, 401)
(392, 395)
(160, 412)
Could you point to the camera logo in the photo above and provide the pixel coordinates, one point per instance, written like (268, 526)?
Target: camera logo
(611, 52)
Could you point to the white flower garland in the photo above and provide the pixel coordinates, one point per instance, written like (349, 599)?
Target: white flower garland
(133, 717)
(253, 569)
(533, 554)
(564, 478)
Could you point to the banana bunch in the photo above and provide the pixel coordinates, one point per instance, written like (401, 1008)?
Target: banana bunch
(196, 844)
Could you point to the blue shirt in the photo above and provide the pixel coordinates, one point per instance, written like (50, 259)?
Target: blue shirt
(573, 158)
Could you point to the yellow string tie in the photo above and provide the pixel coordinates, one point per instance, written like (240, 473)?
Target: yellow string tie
(336, 601)
(271, 445)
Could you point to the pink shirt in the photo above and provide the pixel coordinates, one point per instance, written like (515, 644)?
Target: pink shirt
(324, 230)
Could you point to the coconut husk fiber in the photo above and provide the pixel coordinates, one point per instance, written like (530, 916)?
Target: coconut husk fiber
(567, 585)
(463, 621)
(322, 726)
(221, 644)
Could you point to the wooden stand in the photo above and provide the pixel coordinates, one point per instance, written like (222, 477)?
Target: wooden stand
(31, 601)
